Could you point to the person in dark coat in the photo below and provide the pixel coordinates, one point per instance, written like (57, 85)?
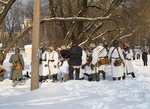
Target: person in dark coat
(75, 59)
(16, 72)
(144, 57)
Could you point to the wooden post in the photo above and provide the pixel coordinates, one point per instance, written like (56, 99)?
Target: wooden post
(54, 34)
(35, 46)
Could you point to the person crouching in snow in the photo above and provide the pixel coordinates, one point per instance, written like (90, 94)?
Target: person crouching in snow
(63, 65)
(2, 72)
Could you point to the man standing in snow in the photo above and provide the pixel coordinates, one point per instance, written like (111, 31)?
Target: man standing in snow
(75, 59)
(43, 67)
(144, 57)
(99, 53)
(114, 54)
(53, 63)
(128, 56)
(17, 66)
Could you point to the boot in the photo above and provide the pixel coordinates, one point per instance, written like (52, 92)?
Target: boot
(119, 78)
(53, 81)
(133, 75)
(97, 77)
(13, 83)
(20, 83)
(44, 79)
(114, 78)
(104, 75)
(65, 78)
(124, 76)
(90, 79)
(41, 78)
(55, 78)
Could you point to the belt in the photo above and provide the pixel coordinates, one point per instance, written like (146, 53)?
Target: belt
(100, 57)
(51, 60)
(115, 58)
(128, 59)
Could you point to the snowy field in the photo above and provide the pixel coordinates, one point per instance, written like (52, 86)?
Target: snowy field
(79, 94)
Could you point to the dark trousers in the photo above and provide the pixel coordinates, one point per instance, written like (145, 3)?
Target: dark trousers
(71, 70)
(132, 74)
(103, 74)
(114, 78)
(145, 63)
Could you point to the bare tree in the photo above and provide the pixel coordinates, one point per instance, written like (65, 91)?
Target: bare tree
(91, 20)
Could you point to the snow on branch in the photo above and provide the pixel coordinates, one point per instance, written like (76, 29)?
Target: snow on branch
(75, 19)
(103, 33)
(127, 35)
(88, 39)
(3, 2)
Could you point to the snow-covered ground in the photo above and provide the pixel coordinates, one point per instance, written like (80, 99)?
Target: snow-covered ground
(79, 94)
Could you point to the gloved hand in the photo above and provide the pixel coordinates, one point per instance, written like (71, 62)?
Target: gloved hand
(83, 66)
(123, 64)
(106, 57)
(44, 59)
(46, 65)
(40, 59)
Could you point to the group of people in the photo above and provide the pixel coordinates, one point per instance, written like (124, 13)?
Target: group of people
(62, 67)
(126, 56)
(75, 63)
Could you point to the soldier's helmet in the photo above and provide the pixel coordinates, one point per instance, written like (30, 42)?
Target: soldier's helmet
(116, 43)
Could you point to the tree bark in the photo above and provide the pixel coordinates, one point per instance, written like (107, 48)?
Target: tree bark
(6, 9)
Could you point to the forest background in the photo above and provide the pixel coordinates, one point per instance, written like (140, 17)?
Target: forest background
(90, 21)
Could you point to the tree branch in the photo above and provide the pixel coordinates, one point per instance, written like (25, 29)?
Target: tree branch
(6, 9)
(3, 2)
(68, 19)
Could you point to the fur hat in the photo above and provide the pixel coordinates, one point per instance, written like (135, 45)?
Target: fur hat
(92, 45)
(101, 44)
(126, 44)
(63, 47)
(51, 48)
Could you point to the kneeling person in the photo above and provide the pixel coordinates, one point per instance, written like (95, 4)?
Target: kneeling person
(2, 72)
